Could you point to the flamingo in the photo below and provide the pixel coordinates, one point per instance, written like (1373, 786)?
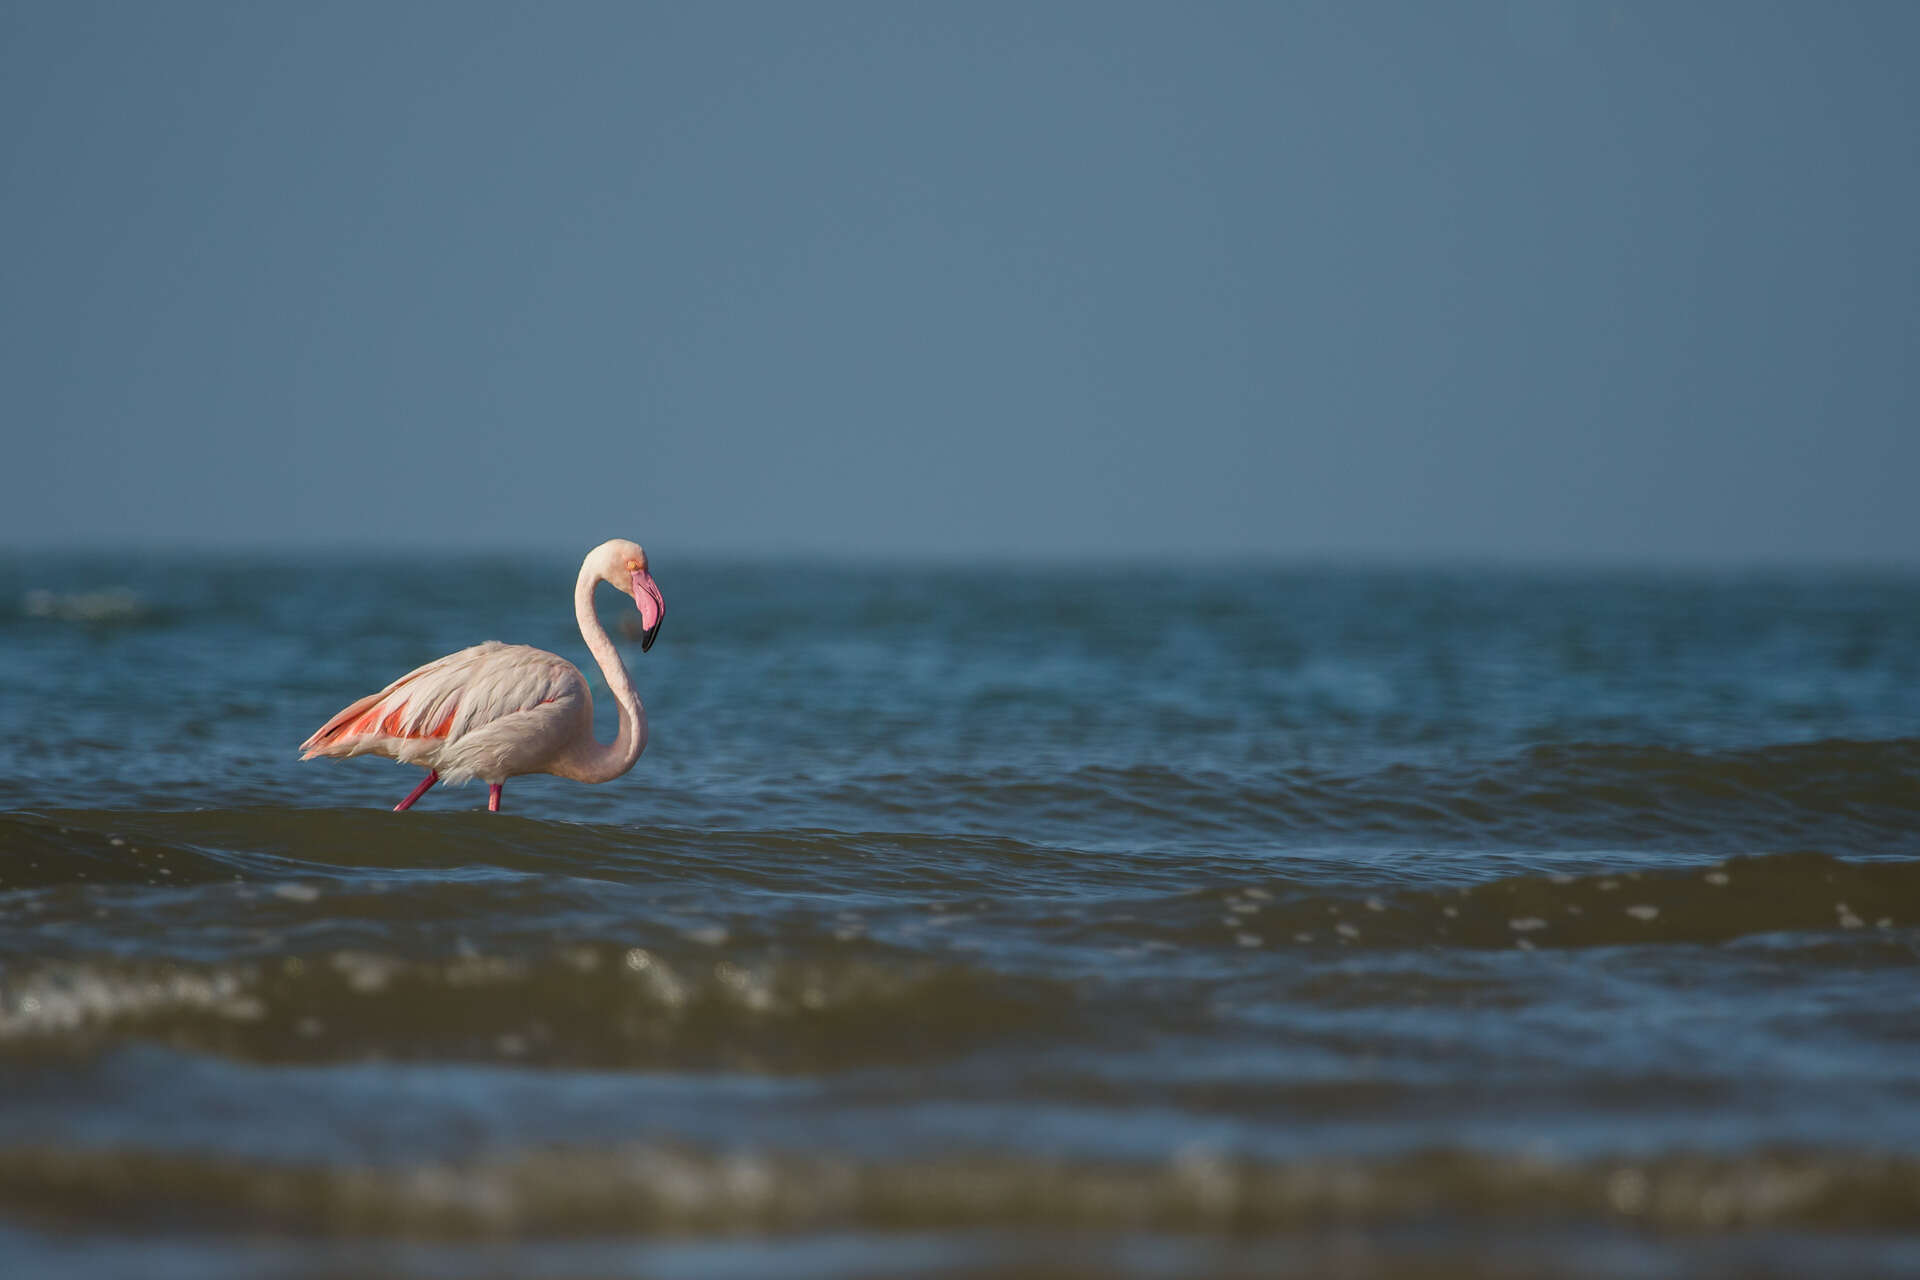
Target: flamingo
(496, 711)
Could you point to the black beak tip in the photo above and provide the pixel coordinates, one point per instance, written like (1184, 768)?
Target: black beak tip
(646, 641)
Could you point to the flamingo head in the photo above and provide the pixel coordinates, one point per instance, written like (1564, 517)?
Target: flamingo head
(624, 564)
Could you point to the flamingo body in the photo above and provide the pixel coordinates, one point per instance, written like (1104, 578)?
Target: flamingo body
(495, 711)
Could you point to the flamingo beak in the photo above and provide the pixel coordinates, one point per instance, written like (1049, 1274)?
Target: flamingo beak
(646, 595)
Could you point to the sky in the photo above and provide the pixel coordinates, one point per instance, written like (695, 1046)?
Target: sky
(1537, 280)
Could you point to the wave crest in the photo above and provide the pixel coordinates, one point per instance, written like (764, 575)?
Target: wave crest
(559, 1192)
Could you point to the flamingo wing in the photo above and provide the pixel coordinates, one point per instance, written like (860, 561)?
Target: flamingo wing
(446, 700)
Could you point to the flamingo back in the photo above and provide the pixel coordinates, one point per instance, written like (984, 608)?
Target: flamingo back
(490, 711)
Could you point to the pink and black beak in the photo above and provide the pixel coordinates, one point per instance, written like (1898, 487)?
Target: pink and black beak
(646, 595)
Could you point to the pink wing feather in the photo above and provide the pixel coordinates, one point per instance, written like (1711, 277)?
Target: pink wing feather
(447, 699)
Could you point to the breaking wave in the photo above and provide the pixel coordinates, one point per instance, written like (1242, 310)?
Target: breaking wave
(660, 1188)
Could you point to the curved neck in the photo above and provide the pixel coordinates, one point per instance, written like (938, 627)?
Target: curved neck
(596, 762)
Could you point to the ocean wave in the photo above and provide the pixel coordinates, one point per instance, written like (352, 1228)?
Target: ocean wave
(108, 606)
(157, 848)
(822, 991)
(1846, 795)
(668, 1189)
(361, 869)
(1856, 798)
(1713, 902)
(579, 1005)
(1865, 793)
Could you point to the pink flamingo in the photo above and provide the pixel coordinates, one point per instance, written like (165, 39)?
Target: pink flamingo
(496, 711)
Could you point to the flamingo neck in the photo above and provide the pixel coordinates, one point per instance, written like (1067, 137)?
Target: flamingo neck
(596, 762)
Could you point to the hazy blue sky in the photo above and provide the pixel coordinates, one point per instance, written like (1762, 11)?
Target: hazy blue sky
(1538, 279)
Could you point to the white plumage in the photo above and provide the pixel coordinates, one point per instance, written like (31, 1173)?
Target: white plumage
(485, 712)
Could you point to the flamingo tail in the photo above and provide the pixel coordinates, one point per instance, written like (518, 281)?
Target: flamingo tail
(330, 733)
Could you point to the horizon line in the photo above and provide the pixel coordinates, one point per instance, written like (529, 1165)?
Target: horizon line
(1066, 558)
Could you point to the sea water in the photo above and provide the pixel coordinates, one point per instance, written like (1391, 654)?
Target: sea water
(1150, 919)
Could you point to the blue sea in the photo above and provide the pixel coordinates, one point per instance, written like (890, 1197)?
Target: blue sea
(1148, 919)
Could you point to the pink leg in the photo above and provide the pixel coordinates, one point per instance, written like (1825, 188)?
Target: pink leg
(493, 797)
(433, 776)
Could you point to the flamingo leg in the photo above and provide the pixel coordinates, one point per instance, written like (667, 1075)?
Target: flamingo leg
(493, 797)
(433, 776)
